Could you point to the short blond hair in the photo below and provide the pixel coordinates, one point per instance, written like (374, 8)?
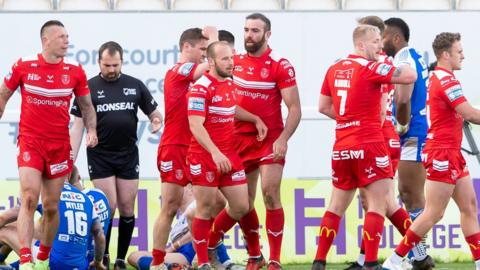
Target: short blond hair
(362, 30)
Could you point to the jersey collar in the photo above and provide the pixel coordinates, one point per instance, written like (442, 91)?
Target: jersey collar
(263, 56)
(214, 80)
(42, 60)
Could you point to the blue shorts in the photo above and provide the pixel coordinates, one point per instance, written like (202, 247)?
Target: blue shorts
(61, 265)
(186, 250)
(411, 148)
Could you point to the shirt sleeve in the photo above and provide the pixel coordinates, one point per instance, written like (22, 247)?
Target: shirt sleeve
(75, 110)
(81, 89)
(187, 70)
(453, 95)
(326, 91)
(147, 102)
(197, 101)
(380, 73)
(285, 75)
(404, 58)
(14, 77)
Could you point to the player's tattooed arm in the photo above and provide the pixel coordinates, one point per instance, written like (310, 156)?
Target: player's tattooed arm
(99, 238)
(5, 95)
(89, 119)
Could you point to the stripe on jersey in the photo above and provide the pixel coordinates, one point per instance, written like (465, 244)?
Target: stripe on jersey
(221, 110)
(37, 90)
(254, 84)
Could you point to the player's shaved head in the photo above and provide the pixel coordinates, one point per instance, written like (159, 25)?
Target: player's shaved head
(48, 24)
(360, 33)
(213, 47)
(191, 36)
(373, 20)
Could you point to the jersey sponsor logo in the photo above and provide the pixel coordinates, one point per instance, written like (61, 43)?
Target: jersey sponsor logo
(342, 83)
(33, 77)
(370, 173)
(344, 74)
(238, 176)
(285, 64)
(63, 237)
(196, 104)
(59, 167)
(264, 73)
(26, 156)
(251, 95)
(327, 232)
(348, 154)
(186, 68)
(238, 69)
(118, 106)
(453, 93)
(100, 206)
(382, 162)
(215, 120)
(69, 196)
(250, 70)
(129, 91)
(100, 93)
(48, 102)
(440, 165)
(217, 98)
(383, 69)
(65, 79)
(349, 124)
(454, 175)
(179, 174)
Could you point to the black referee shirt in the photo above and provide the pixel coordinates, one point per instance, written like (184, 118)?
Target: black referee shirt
(116, 103)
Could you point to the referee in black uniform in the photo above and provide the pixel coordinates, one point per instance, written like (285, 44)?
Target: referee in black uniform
(113, 164)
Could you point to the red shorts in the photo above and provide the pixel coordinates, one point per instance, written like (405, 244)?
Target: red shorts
(360, 165)
(172, 164)
(53, 158)
(444, 165)
(392, 142)
(254, 153)
(203, 171)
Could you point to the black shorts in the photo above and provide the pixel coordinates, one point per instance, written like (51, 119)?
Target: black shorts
(106, 163)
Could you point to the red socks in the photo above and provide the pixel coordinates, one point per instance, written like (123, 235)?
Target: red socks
(25, 255)
(474, 244)
(408, 242)
(200, 230)
(158, 257)
(249, 225)
(328, 231)
(275, 221)
(372, 234)
(401, 220)
(222, 224)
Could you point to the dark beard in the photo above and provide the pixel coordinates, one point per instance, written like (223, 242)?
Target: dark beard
(255, 47)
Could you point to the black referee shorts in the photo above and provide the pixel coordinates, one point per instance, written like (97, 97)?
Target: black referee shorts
(105, 163)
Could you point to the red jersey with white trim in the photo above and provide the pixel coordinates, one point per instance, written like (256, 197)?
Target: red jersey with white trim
(177, 81)
(389, 89)
(46, 91)
(259, 81)
(216, 102)
(354, 84)
(445, 124)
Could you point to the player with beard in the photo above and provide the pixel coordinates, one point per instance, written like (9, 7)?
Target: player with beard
(447, 172)
(351, 94)
(263, 79)
(114, 164)
(214, 164)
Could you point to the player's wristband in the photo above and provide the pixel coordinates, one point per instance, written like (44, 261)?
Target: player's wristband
(402, 129)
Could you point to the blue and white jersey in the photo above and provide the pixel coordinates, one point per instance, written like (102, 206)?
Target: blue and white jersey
(77, 215)
(181, 226)
(418, 121)
(102, 208)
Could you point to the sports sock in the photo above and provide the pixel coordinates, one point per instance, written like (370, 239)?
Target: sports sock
(222, 253)
(250, 225)
(401, 220)
(126, 225)
(25, 255)
(200, 230)
(408, 242)
(222, 224)
(43, 252)
(372, 234)
(158, 256)
(328, 232)
(474, 244)
(275, 220)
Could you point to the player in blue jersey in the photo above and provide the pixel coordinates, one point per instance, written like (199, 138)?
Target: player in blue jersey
(411, 124)
(78, 222)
